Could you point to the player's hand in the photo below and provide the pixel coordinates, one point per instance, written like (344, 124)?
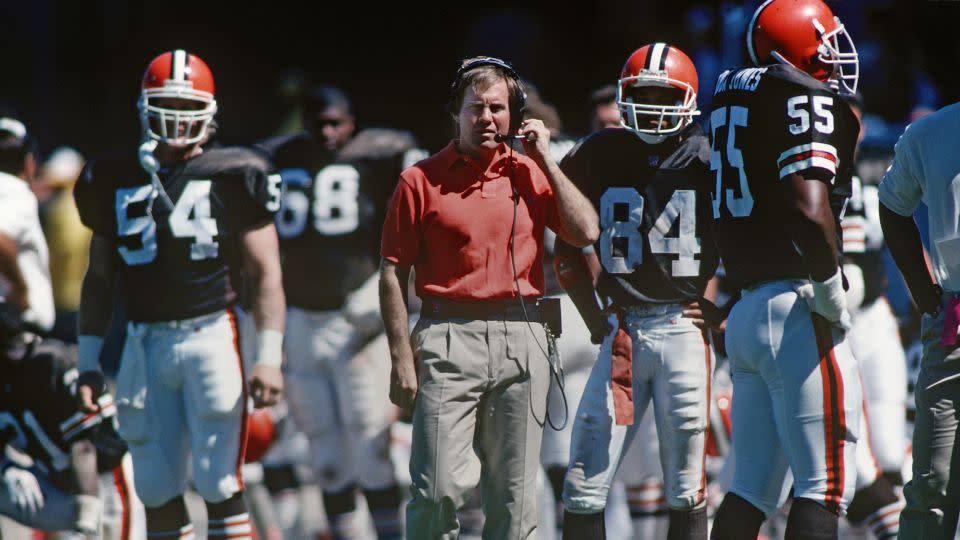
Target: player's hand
(404, 385)
(705, 315)
(24, 489)
(599, 328)
(266, 385)
(828, 299)
(90, 386)
(536, 141)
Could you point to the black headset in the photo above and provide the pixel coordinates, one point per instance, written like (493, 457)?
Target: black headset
(518, 103)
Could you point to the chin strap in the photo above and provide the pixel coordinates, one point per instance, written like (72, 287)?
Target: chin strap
(150, 164)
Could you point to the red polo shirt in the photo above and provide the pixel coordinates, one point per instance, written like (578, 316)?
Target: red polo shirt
(450, 219)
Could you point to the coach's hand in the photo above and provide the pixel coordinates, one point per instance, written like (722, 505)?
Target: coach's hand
(90, 386)
(404, 384)
(266, 385)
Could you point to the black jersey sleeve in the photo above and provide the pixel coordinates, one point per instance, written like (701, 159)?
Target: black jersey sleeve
(93, 200)
(811, 126)
(262, 187)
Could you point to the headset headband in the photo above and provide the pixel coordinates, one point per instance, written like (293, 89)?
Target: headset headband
(481, 61)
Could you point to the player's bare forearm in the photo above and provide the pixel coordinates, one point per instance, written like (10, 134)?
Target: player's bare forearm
(578, 219)
(262, 266)
(814, 225)
(96, 293)
(903, 238)
(577, 271)
(83, 462)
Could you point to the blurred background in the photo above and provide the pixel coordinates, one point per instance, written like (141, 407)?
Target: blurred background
(72, 69)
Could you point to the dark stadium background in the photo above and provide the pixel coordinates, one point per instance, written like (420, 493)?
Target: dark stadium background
(71, 70)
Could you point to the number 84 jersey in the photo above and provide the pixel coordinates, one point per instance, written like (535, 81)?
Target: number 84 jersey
(176, 259)
(656, 243)
(768, 123)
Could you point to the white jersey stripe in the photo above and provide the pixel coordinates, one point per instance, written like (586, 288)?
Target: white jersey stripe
(816, 147)
(809, 163)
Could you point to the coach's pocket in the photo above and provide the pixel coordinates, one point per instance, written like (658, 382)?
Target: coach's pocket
(132, 388)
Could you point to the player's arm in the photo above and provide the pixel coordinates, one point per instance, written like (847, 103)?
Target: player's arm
(10, 270)
(814, 230)
(579, 222)
(83, 464)
(577, 272)
(393, 307)
(96, 308)
(261, 262)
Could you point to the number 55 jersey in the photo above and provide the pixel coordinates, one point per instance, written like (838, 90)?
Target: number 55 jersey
(767, 123)
(179, 254)
(656, 244)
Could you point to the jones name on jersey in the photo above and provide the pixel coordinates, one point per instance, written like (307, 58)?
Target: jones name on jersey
(655, 243)
(176, 253)
(333, 210)
(768, 123)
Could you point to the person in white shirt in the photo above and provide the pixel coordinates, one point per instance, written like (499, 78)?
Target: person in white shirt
(927, 168)
(24, 259)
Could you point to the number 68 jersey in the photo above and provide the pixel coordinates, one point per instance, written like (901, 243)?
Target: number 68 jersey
(656, 243)
(767, 123)
(176, 262)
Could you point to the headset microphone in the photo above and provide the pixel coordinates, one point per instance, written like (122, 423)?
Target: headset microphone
(500, 137)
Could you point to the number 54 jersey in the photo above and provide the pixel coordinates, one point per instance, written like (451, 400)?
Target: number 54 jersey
(656, 243)
(178, 259)
(767, 123)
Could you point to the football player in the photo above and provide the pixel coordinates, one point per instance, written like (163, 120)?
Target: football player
(174, 224)
(925, 168)
(24, 257)
(651, 183)
(783, 144)
(52, 453)
(337, 185)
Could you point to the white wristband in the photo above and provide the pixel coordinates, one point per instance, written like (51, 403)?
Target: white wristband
(270, 347)
(88, 353)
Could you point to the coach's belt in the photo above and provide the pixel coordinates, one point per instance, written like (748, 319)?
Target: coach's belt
(499, 310)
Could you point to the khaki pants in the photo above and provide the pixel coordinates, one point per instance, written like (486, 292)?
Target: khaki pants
(933, 495)
(478, 418)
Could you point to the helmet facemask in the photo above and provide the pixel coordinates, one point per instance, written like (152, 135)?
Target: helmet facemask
(176, 126)
(846, 65)
(669, 119)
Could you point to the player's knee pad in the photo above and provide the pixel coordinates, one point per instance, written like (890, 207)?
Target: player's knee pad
(810, 520)
(736, 519)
